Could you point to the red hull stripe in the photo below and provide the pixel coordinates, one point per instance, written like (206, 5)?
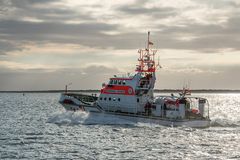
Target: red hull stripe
(121, 78)
(146, 70)
(124, 90)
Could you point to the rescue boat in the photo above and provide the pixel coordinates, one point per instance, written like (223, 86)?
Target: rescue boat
(131, 97)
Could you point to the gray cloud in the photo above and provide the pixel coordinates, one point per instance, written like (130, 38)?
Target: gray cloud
(219, 3)
(91, 35)
(31, 28)
(226, 77)
(139, 7)
(157, 12)
(6, 46)
(88, 33)
(208, 38)
(43, 10)
(99, 70)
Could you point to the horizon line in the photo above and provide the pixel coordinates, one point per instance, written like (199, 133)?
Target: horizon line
(98, 90)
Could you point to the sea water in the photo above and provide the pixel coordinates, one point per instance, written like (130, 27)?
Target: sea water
(35, 126)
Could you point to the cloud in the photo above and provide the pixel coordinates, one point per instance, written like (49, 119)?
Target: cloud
(173, 27)
(90, 77)
(88, 35)
(21, 28)
(93, 76)
(200, 37)
(155, 12)
(213, 77)
(7, 46)
(43, 11)
(16, 66)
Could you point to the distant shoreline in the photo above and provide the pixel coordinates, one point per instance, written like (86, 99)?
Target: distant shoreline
(156, 90)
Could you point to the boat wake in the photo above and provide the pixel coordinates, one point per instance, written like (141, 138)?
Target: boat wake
(75, 118)
(220, 122)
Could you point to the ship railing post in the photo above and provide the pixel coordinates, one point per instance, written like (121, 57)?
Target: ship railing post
(208, 108)
(136, 109)
(163, 110)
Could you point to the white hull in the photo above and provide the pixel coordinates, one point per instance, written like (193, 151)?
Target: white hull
(73, 104)
(169, 122)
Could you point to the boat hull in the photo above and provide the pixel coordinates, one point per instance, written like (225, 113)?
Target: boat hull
(193, 123)
(73, 104)
(171, 123)
(84, 108)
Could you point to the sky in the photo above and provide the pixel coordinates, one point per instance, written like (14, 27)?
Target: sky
(45, 44)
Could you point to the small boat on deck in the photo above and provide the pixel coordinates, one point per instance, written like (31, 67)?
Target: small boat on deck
(132, 98)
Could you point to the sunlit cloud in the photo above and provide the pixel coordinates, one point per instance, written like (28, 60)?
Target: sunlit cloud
(23, 66)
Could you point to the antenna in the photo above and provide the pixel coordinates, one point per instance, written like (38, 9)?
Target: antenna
(158, 64)
(189, 83)
(66, 87)
(148, 41)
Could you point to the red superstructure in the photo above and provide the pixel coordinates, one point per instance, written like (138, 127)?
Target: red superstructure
(116, 89)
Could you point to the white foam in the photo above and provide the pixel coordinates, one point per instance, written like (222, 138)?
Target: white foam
(223, 122)
(70, 117)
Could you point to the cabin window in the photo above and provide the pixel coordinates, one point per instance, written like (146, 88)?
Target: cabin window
(109, 98)
(124, 82)
(105, 98)
(114, 99)
(100, 98)
(119, 99)
(137, 99)
(111, 81)
(115, 81)
(119, 82)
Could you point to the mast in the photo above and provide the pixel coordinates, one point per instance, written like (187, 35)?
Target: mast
(148, 41)
(147, 58)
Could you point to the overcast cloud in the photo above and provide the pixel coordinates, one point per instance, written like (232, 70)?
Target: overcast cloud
(46, 44)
